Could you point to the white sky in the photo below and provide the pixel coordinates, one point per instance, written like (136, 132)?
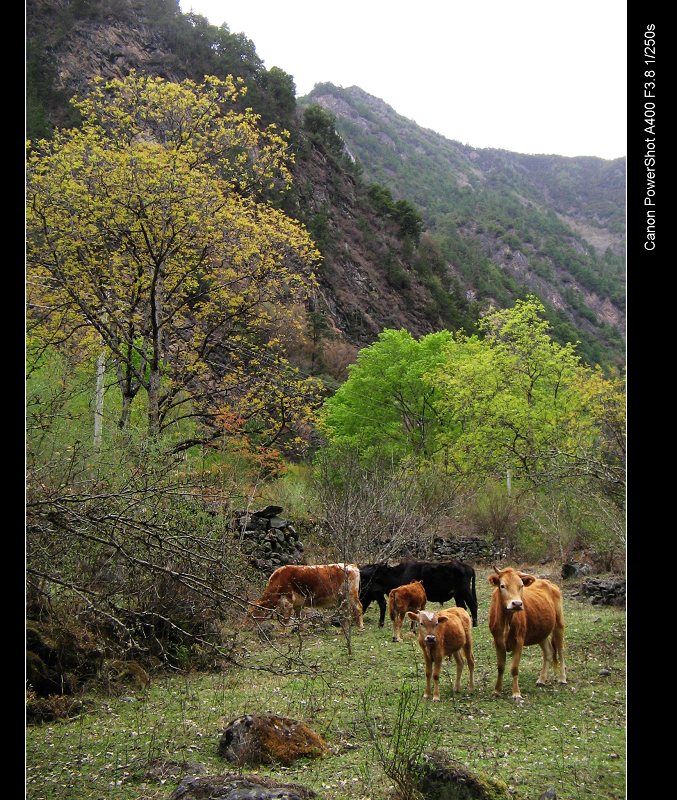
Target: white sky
(531, 76)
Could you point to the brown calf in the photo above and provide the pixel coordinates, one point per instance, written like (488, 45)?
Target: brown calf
(410, 597)
(526, 610)
(292, 587)
(444, 634)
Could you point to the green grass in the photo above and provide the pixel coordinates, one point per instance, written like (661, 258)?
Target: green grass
(569, 737)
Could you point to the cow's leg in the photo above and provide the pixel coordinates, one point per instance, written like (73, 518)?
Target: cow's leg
(500, 666)
(558, 652)
(458, 658)
(397, 624)
(286, 607)
(382, 611)
(428, 673)
(437, 668)
(547, 658)
(464, 599)
(472, 607)
(359, 621)
(514, 671)
(467, 649)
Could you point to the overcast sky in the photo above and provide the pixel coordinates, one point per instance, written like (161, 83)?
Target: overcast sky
(532, 76)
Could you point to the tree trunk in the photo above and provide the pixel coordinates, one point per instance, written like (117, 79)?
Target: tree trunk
(98, 406)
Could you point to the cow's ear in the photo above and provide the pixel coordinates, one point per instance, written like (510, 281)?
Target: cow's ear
(412, 614)
(494, 579)
(527, 580)
(442, 618)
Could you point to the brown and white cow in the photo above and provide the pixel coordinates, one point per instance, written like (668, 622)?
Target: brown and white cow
(293, 587)
(443, 634)
(526, 610)
(410, 597)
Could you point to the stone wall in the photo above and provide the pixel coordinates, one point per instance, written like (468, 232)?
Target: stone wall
(603, 591)
(471, 549)
(269, 540)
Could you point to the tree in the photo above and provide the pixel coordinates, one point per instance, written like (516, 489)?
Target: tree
(516, 400)
(509, 399)
(150, 234)
(321, 124)
(385, 407)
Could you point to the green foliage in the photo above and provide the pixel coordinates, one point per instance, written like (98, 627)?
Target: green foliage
(321, 125)
(385, 407)
(509, 398)
(400, 755)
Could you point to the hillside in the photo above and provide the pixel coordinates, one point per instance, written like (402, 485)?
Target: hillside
(367, 280)
(499, 224)
(506, 222)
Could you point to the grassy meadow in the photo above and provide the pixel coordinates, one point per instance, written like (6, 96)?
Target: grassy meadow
(571, 738)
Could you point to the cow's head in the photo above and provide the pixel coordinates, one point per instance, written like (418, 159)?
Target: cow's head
(428, 623)
(511, 585)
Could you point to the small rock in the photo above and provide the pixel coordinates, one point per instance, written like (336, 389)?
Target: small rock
(605, 671)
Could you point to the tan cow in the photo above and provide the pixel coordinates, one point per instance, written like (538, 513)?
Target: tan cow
(526, 610)
(444, 634)
(293, 587)
(410, 597)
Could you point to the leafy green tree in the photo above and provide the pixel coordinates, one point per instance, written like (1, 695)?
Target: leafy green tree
(149, 235)
(517, 400)
(322, 124)
(508, 398)
(409, 220)
(385, 408)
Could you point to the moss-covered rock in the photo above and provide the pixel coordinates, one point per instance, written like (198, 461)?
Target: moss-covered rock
(442, 778)
(267, 738)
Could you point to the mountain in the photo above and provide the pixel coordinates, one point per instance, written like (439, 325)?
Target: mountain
(498, 224)
(506, 223)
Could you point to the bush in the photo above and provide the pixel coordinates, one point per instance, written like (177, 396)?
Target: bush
(497, 515)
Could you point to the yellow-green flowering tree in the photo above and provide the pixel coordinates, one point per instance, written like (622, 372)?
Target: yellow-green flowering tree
(151, 234)
(514, 399)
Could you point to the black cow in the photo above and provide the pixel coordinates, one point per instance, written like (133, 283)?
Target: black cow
(442, 580)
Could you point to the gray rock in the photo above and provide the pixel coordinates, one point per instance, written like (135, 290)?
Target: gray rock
(238, 787)
(268, 512)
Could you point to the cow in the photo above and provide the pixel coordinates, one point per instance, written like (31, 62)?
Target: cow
(443, 634)
(293, 587)
(526, 610)
(442, 581)
(410, 597)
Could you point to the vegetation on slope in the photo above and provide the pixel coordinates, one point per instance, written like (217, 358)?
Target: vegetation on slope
(506, 223)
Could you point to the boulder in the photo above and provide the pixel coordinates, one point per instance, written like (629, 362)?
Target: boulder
(238, 787)
(442, 778)
(268, 512)
(573, 569)
(267, 738)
